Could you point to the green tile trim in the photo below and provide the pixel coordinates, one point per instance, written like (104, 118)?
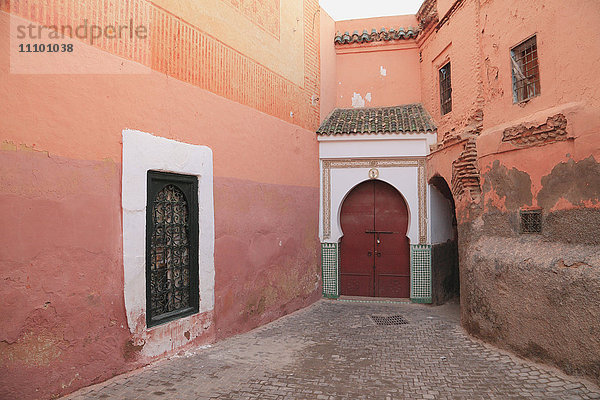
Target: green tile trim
(330, 270)
(424, 300)
(375, 301)
(420, 273)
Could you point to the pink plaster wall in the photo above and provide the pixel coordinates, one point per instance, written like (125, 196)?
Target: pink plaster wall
(385, 74)
(458, 42)
(87, 124)
(443, 6)
(361, 73)
(64, 323)
(328, 64)
(266, 252)
(568, 44)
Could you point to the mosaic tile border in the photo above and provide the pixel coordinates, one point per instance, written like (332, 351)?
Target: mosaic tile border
(375, 301)
(330, 269)
(420, 273)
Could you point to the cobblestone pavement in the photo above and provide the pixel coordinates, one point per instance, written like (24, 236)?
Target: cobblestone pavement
(334, 350)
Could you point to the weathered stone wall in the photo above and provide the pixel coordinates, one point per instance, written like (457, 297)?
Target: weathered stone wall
(539, 299)
(535, 294)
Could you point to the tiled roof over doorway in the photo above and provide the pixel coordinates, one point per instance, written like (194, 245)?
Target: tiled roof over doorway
(409, 118)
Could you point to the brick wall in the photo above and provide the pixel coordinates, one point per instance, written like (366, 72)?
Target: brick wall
(187, 53)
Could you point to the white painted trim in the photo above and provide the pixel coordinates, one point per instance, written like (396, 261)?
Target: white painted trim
(441, 216)
(373, 148)
(430, 137)
(143, 152)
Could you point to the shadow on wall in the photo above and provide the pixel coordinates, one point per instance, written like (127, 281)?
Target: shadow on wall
(445, 279)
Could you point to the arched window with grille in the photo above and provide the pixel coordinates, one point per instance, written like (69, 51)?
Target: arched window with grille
(171, 247)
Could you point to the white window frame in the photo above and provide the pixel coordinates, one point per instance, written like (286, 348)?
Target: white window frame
(143, 152)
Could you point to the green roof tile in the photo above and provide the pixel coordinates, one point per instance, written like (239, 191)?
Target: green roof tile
(409, 118)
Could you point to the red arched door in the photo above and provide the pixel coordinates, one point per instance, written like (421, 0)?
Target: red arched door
(375, 257)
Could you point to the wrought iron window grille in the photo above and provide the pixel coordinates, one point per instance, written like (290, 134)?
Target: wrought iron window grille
(525, 70)
(531, 221)
(445, 89)
(171, 247)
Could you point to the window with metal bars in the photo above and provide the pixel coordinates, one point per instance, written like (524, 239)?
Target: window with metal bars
(525, 70)
(531, 221)
(171, 247)
(445, 89)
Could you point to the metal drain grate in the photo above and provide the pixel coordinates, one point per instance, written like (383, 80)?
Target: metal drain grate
(391, 320)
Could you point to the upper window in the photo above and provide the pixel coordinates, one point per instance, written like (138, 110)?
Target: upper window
(445, 90)
(171, 247)
(525, 70)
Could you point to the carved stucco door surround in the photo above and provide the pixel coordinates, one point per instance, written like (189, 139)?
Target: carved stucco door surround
(379, 163)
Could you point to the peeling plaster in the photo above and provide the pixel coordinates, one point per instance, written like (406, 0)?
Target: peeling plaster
(576, 182)
(358, 101)
(506, 189)
(382, 71)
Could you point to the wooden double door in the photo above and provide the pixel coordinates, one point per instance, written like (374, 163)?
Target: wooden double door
(375, 255)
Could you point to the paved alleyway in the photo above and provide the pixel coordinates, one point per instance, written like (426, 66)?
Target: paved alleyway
(334, 350)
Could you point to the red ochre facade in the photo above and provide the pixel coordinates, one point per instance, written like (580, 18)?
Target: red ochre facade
(64, 324)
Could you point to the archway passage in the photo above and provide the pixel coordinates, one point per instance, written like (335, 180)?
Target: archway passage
(445, 276)
(374, 251)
